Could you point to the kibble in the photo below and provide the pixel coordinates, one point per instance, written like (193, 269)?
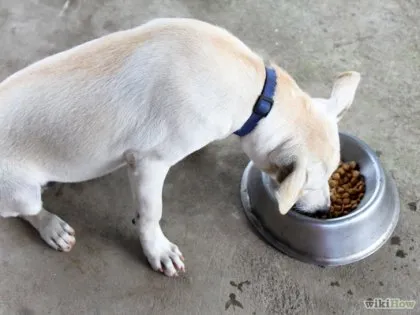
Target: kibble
(347, 189)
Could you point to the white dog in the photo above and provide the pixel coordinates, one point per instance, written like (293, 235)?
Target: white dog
(147, 98)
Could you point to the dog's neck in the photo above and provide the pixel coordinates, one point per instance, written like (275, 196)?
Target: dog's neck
(262, 106)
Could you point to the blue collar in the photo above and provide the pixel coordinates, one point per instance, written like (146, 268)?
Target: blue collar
(263, 105)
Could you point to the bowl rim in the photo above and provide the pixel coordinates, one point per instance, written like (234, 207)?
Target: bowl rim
(358, 211)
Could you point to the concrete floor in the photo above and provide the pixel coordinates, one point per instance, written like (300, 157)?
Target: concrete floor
(107, 274)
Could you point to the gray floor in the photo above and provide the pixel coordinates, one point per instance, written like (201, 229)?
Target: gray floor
(106, 272)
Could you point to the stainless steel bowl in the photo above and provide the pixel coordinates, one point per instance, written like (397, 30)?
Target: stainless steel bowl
(327, 242)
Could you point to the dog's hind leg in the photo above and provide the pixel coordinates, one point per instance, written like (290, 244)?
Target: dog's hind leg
(19, 197)
(53, 230)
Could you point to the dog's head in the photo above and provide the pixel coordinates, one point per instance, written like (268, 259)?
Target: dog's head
(302, 150)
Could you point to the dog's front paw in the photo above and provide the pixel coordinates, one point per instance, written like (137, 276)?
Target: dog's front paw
(163, 256)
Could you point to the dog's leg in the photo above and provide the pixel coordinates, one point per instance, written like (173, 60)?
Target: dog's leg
(146, 178)
(53, 230)
(21, 197)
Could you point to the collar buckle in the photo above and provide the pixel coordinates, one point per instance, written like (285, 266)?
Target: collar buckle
(263, 105)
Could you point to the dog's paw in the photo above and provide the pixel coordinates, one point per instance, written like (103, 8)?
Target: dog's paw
(164, 256)
(56, 233)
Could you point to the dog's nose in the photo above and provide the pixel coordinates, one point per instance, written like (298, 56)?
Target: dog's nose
(325, 208)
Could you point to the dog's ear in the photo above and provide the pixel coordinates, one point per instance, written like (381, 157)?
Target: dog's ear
(343, 93)
(291, 179)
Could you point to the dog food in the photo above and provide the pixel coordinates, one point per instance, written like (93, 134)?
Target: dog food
(347, 188)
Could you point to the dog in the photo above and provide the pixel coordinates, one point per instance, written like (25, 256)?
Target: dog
(144, 99)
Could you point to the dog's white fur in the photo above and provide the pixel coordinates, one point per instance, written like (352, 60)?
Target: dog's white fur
(147, 98)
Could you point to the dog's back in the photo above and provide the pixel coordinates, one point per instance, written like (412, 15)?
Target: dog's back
(74, 113)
